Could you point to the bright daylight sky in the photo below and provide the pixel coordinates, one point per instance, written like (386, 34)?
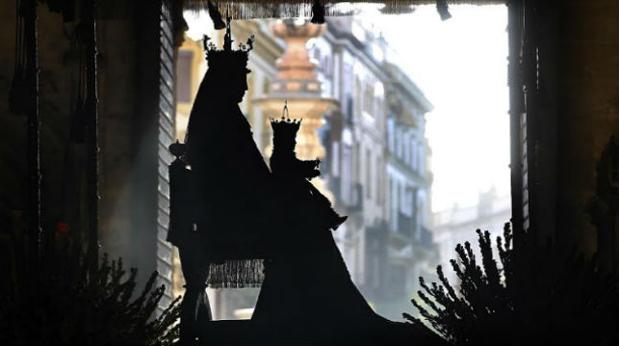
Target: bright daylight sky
(461, 66)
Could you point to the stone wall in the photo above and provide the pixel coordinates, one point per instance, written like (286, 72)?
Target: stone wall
(131, 150)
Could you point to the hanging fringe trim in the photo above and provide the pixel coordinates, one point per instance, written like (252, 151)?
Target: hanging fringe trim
(248, 9)
(236, 274)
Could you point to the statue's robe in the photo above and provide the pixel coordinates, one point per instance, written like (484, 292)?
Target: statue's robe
(233, 183)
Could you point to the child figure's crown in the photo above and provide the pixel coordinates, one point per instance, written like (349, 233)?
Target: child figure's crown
(226, 57)
(285, 127)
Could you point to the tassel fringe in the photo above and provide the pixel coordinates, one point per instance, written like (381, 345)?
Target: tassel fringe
(248, 9)
(236, 274)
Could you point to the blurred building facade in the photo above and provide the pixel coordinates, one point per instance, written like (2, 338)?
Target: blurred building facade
(457, 225)
(377, 157)
(377, 164)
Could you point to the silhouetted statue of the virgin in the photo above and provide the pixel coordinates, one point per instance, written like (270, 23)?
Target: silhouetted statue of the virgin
(229, 172)
(218, 184)
(239, 213)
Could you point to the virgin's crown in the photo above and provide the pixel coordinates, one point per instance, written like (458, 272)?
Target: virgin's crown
(227, 57)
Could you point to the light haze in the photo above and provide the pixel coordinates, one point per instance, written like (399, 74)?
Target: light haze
(461, 66)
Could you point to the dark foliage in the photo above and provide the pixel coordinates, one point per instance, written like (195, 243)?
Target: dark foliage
(524, 294)
(63, 300)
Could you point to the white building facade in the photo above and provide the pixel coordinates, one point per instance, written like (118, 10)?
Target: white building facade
(457, 225)
(377, 164)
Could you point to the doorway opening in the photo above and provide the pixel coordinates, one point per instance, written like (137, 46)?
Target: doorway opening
(415, 149)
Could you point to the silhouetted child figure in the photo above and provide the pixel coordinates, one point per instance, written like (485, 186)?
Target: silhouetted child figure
(285, 164)
(284, 161)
